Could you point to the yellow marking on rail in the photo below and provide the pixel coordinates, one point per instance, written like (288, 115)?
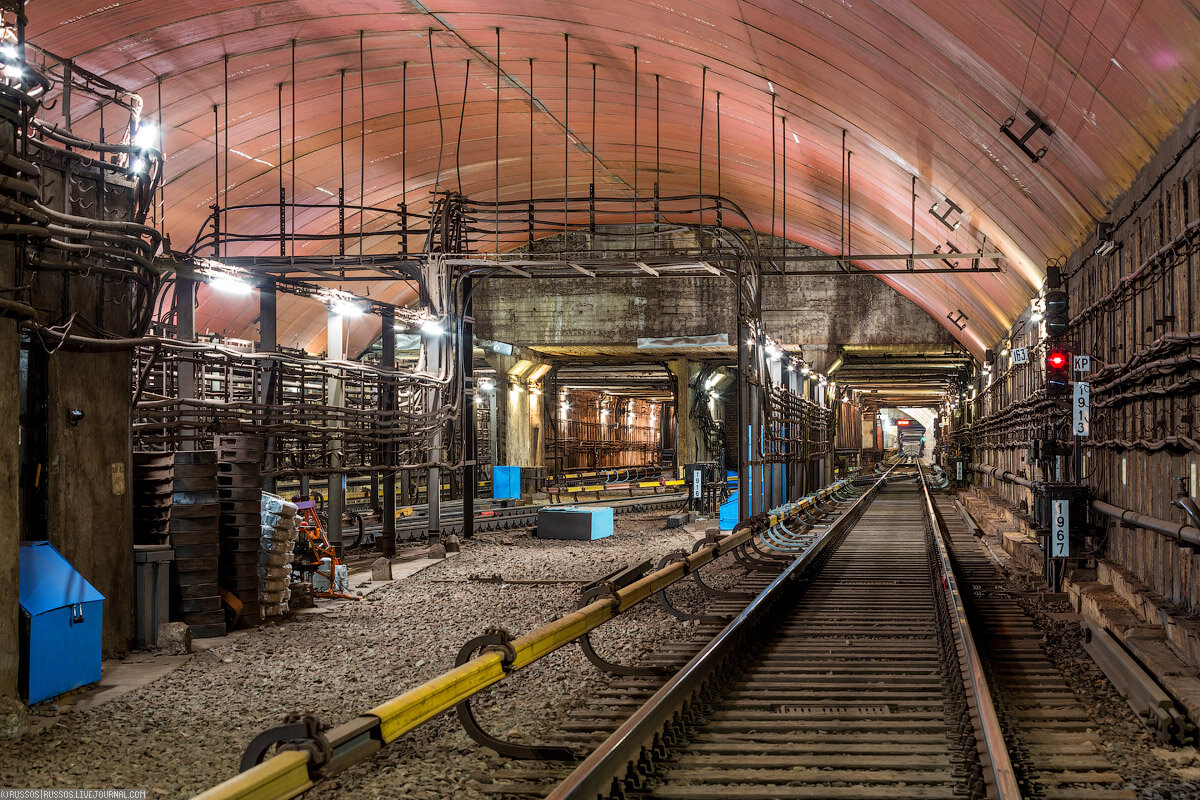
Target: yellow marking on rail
(282, 776)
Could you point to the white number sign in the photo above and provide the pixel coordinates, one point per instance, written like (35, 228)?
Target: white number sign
(1020, 355)
(1081, 418)
(696, 483)
(1060, 534)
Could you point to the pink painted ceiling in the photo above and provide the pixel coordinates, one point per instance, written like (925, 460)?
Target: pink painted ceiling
(920, 88)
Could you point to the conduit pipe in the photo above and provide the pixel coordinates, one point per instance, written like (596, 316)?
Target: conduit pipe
(1179, 531)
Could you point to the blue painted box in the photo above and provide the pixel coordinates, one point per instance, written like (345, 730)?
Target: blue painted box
(506, 483)
(573, 522)
(729, 513)
(61, 623)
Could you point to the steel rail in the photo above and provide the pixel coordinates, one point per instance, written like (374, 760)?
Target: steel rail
(609, 762)
(301, 761)
(998, 769)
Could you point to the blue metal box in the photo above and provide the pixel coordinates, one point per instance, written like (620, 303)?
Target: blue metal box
(573, 522)
(60, 625)
(729, 512)
(506, 483)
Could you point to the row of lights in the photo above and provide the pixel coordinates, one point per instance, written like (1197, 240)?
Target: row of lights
(776, 353)
(236, 281)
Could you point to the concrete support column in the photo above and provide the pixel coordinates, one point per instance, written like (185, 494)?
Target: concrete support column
(337, 480)
(688, 449)
(387, 403)
(521, 412)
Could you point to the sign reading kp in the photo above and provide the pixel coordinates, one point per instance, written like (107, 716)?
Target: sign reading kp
(1060, 532)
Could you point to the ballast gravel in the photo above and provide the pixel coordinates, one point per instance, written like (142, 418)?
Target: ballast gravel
(186, 731)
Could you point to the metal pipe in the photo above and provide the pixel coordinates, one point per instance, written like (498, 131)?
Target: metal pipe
(1002, 475)
(1176, 530)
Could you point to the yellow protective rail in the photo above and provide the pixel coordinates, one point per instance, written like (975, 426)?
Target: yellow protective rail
(291, 772)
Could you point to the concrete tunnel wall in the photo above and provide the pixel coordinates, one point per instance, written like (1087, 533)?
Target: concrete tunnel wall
(817, 313)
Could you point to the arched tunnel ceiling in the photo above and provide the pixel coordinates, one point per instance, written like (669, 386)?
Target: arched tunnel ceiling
(921, 89)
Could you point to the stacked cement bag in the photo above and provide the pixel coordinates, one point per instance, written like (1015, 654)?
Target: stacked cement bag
(278, 542)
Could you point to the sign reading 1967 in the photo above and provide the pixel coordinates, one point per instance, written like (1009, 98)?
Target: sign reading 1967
(1060, 531)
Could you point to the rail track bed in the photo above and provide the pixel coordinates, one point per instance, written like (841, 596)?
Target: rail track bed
(1052, 739)
(846, 698)
(853, 685)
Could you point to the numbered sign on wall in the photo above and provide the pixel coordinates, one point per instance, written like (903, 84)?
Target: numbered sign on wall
(1060, 533)
(696, 477)
(1020, 355)
(1081, 420)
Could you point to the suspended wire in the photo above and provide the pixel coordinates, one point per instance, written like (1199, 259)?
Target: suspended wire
(362, 138)
(292, 163)
(437, 101)
(462, 112)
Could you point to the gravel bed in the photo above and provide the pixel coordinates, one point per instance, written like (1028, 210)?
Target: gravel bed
(186, 731)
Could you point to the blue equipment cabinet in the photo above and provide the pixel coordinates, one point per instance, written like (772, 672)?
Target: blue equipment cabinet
(573, 522)
(506, 483)
(61, 621)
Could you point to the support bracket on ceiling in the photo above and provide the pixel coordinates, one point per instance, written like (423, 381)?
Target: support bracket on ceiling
(1036, 123)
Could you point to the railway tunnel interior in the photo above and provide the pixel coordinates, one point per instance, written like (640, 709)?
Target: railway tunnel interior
(349, 319)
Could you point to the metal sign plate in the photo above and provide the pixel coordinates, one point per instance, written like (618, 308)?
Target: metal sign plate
(1019, 355)
(1081, 416)
(1060, 533)
(1083, 363)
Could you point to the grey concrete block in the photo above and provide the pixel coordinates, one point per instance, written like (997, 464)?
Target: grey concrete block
(381, 570)
(677, 520)
(13, 718)
(302, 596)
(174, 638)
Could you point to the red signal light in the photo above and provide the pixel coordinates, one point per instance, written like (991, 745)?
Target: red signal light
(1057, 360)
(903, 422)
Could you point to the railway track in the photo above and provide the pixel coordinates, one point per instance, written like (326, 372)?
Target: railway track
(853, 675)
(493, 518)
